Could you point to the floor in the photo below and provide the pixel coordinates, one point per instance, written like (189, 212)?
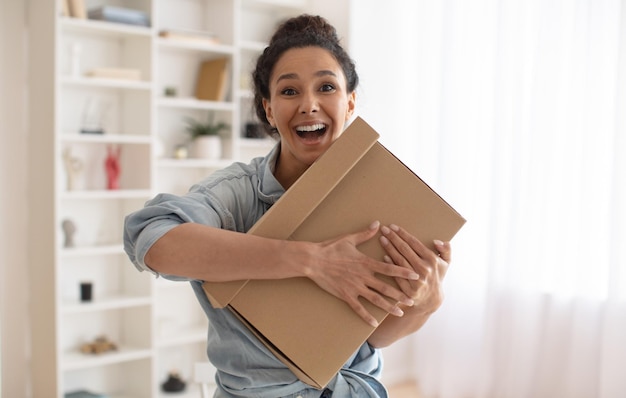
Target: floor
(404, 390)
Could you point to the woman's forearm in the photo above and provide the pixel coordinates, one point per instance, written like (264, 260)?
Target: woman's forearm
(394, 328)
(211, 254)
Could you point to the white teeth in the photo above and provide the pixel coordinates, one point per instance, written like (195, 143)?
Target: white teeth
(313, 127)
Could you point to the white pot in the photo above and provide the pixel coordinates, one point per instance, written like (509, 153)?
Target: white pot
(207, 147)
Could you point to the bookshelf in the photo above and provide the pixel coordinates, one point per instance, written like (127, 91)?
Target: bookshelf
(127, 87)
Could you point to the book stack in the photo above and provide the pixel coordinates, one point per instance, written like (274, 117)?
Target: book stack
(120, 15)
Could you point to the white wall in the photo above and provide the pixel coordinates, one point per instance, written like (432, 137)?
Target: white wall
(13, 194)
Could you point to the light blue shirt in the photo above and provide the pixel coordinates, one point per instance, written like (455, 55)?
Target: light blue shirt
(234, 199)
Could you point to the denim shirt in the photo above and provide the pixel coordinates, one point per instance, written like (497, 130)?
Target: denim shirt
(234, 199)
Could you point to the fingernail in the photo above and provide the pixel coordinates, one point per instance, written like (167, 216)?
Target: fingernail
(414, 276)
(397, 311)
(409, 302)
(385, 230)
(384, 241)
(394, 227)
(373, 323)
(386, 258)
(375, 225)
(438, 242)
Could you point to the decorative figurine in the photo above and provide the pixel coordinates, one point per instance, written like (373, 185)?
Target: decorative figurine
(112, 167)
(174, 383)
(98, 346)
(69, 229)
(73, 167)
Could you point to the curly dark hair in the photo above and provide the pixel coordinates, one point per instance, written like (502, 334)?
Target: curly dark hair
(298, 32)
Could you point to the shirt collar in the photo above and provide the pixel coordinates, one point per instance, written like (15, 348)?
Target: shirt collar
(270, 190)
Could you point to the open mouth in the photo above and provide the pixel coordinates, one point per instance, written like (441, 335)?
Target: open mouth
(311, 132)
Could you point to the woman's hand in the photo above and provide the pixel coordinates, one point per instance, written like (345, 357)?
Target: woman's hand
(345, 272)
(405, 250)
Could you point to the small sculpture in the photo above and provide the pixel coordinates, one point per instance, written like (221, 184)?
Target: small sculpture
(94, 113)
(73, 167)
(174, 383)
(112, 167)
(69, 229)
(98, 346)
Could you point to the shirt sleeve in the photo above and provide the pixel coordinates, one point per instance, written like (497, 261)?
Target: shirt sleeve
(144, 227)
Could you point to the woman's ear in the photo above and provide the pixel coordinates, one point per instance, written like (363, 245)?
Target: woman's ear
(268, 112)
(351, 105)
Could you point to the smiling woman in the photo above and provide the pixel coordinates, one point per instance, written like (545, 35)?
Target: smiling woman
(305, 91)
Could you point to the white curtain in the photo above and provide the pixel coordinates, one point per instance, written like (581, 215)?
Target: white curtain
(515, 111)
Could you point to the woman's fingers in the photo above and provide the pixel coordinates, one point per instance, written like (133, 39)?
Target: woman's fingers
(405, 250)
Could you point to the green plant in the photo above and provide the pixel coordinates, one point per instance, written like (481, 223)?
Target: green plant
(199, 129)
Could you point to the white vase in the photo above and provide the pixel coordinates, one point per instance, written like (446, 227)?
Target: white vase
(207, 147)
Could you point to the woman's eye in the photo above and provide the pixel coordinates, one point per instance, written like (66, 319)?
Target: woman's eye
(327, 87)
(288, 91)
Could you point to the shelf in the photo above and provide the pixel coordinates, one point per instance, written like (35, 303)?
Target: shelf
(193, 103)
(102, 250)
(190, 45)
(94, 82)
(106, 138)
(105, 304)
(103, 27)
(76, 360)
(107, 194)
(194, 163)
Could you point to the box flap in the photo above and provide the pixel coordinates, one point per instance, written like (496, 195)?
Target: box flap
(299, 201)
(220, 294)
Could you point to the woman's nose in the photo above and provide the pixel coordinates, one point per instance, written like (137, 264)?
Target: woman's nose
(309, 103)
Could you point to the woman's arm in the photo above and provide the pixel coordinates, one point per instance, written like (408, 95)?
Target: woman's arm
(405, 250)
(337, 266)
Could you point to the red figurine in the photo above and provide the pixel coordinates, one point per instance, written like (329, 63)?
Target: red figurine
(112, 166)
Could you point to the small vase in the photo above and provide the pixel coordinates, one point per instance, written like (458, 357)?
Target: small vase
(207, 147)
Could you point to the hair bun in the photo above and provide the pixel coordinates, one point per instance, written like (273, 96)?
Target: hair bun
(306, 24)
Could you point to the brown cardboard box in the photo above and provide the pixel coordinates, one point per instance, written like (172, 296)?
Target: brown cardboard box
(356, 182)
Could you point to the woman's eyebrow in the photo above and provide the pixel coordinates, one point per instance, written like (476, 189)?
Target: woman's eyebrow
(325, 72)
(289, 76)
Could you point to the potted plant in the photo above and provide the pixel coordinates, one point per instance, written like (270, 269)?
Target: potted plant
(205, 137)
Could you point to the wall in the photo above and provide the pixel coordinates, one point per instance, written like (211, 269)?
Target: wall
(13, 209)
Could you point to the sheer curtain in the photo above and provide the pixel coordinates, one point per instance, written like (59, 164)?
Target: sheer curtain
(515, 111)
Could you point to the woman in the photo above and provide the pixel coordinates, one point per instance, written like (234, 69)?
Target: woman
(305, 93)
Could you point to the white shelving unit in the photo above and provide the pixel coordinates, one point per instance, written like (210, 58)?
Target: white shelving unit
(157, 325)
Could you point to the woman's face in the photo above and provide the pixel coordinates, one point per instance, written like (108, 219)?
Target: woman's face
(309, 106)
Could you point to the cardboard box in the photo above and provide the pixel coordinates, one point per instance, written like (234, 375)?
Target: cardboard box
(356, 182)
